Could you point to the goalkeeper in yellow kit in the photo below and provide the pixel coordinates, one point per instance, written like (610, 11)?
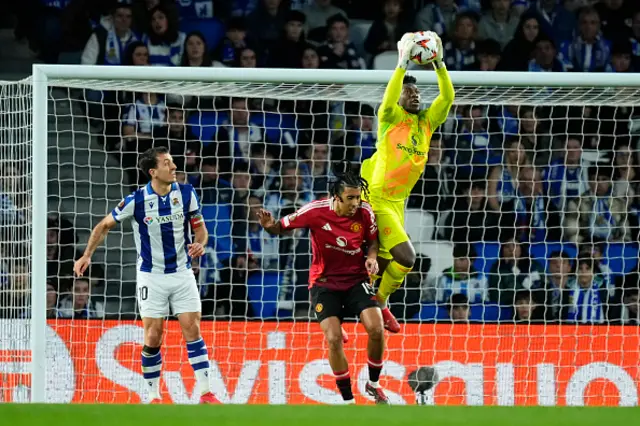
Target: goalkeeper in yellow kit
(404, 134)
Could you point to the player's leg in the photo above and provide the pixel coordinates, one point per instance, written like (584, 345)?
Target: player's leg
(327, 305)
(362, 302)
(153, 303)
(186, 305)
(398, 250)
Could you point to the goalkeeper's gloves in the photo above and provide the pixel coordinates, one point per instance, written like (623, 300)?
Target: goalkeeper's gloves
(438, 62)
(405, 45)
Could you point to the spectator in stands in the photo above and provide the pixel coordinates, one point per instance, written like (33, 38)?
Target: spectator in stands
(499, 24)
(589, 51)
(545, 56)
(338, 51)
(263, 170)
(164, 40)
(635, 40)
(359, 142)
(433, 192)
(460, 50)
(557, 286)
(528, 310)
(458, 308)
(17, 303)
(61, 241)
(502, 182)
(615, 15)
(626, 184)
(252, 241)
(462, 277)
(388, 29)
(470, 220)
(566, 178)
(621, 55)
(290, 194)
(535, 136)
(587, 295)
(596, 251)
(247, 58)
(318, 15)
(472, 144)
(519, 51)
(318, 167)
(183, 145)
(241, 183)
(438, 17)
(137, 54)
(52, 300)
(11, 213)
(79, 304)
(631, 306)
(288, 51)
(310, 58)
(603, 216)
(266, 22)
(236, 38)
(196, 51)
(487, 56)
(215, 188)
(237, 135)
(559, 18)
(108, 47)
(537, 219)
(512, 273)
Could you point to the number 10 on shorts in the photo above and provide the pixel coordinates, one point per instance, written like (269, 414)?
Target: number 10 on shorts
(143, 293)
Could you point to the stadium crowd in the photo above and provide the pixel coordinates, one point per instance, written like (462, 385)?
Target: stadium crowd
(540, 203)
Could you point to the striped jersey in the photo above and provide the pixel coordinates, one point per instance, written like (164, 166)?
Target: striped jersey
(161, 226)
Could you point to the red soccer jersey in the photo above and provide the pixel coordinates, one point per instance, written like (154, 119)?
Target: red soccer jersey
(336, 242)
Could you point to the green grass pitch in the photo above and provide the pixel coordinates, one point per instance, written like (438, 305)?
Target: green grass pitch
(259, 415)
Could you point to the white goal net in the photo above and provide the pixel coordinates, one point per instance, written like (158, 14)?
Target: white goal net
(525, 224)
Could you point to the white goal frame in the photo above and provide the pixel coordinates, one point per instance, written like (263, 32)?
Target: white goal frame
(44, 75)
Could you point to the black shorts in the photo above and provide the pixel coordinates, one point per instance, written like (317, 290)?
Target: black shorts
(342, 303)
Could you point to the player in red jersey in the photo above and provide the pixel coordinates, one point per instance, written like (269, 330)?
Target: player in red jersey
(341, 226)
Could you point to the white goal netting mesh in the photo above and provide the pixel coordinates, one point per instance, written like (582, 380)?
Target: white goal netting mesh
(525, 223)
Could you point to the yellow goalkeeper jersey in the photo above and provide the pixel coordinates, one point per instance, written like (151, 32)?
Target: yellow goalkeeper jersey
(403, 139)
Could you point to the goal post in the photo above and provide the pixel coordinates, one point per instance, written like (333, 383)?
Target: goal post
(472, 88)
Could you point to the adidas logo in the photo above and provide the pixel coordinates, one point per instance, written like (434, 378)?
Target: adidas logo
(326, 227)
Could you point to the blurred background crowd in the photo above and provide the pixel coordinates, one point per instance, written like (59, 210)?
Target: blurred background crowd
(524, 213)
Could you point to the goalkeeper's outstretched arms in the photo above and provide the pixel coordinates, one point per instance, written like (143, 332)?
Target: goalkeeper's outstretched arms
(390, 111)
(439, 109)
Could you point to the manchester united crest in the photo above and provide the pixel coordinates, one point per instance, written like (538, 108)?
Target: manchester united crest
(319, 307)
(356, 227)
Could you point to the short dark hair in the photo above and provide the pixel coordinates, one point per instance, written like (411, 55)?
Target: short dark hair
(338, 17)
(409, 79)
(149, 159)
(604, 171)
(345, 177)
(463, 250)
(457, 300)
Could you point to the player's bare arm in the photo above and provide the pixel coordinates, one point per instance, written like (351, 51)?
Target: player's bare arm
(201, 236)
(98, 234)
(269, 223)
(372, 257)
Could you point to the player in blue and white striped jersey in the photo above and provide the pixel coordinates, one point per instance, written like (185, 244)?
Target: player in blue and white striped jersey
(163, 214)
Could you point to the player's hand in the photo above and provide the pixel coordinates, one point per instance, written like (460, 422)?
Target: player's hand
(372, 266)
(195, 250)
(440, 56)
(266, 219)
(405, 45)
(81, 265)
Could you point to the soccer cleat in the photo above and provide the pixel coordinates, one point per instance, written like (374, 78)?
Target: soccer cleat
(209, 398)
(378, 394)
(391, 324)
(345, 337)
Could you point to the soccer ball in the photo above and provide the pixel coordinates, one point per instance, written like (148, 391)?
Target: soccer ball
(425, 49)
